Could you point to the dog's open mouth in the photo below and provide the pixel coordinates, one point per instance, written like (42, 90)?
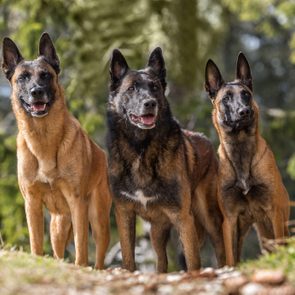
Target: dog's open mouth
(146, 121)
(38, 109)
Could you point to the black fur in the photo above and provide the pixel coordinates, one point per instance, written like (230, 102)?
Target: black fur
(126, 142)
(155, 166)
(11, 57)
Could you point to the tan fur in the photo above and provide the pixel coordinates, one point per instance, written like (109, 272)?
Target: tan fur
(60, 167)
(270, 211)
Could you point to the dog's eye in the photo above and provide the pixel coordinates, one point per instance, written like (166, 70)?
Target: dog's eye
(45, 75)
(154, 87)
(23, 77)
(225, 99)
(246, 96)
(131, 88)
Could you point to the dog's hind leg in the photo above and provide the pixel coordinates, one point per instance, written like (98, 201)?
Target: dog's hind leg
(242, 231)
(213, 226)
(216, 237)
(159, 237)
(286, 229)
(60, 233)
(278, 223)
(189, 238)
(265, 232)
(99, 217)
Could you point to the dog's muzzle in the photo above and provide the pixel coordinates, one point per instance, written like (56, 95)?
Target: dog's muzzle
(148, 116)
(37, 104)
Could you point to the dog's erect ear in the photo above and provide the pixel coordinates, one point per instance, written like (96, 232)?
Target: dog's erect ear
(11, 57)
(243, 72)
(118, 66)
(213, 79)
(156, 62)
(46, 49)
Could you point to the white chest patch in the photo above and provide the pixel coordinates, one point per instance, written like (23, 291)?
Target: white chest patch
(139, 197)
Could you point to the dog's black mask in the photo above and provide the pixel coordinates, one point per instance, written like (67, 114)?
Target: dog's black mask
(33, 80)
(138, 96)
(234, 100)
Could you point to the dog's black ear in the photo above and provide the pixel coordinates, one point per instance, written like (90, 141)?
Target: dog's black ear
(213, 79)
(118, 66)
(157, 64)
(46, 49)
(11, 57)
(243, 72)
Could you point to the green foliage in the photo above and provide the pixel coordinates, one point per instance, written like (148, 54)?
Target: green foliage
(291, 167)
(282, 258)
(12, 220)
(269, 17)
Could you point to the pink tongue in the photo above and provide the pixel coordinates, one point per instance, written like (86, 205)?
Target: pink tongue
(38, 107)
(147, 120)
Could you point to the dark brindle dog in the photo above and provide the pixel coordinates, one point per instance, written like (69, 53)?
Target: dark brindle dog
(158, 171)
(58, 164)
(250, 185)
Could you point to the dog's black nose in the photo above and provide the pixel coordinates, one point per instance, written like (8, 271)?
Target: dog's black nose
(244, 112)
(150, 104)
(37, 92)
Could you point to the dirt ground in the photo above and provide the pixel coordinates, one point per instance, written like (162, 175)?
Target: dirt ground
(21, 273)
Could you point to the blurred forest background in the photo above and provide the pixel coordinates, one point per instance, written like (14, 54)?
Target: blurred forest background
(189, 32)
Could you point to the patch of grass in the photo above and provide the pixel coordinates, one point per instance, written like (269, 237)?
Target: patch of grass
(19, 270)
(282, 258)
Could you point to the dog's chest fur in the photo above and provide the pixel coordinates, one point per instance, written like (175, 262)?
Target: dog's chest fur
(244, 191)
(254, 205)
(143, 180)
(240, 151)
(45, 172)
(145, 177)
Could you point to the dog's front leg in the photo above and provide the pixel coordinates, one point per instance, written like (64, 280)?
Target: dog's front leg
(229, 235)
(79, 213)
(126, 226)
(34, 215)
(189, 238)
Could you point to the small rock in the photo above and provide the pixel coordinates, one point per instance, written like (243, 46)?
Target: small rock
(272, 277)
(208, 272)
(253, 289)
(134, 290)
(185, 287)
(173, 277)
(282, 290)
(233, 284)
(165, 289)
(151, 287)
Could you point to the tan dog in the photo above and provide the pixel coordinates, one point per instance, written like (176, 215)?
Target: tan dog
(250, 185)
(58, 165)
